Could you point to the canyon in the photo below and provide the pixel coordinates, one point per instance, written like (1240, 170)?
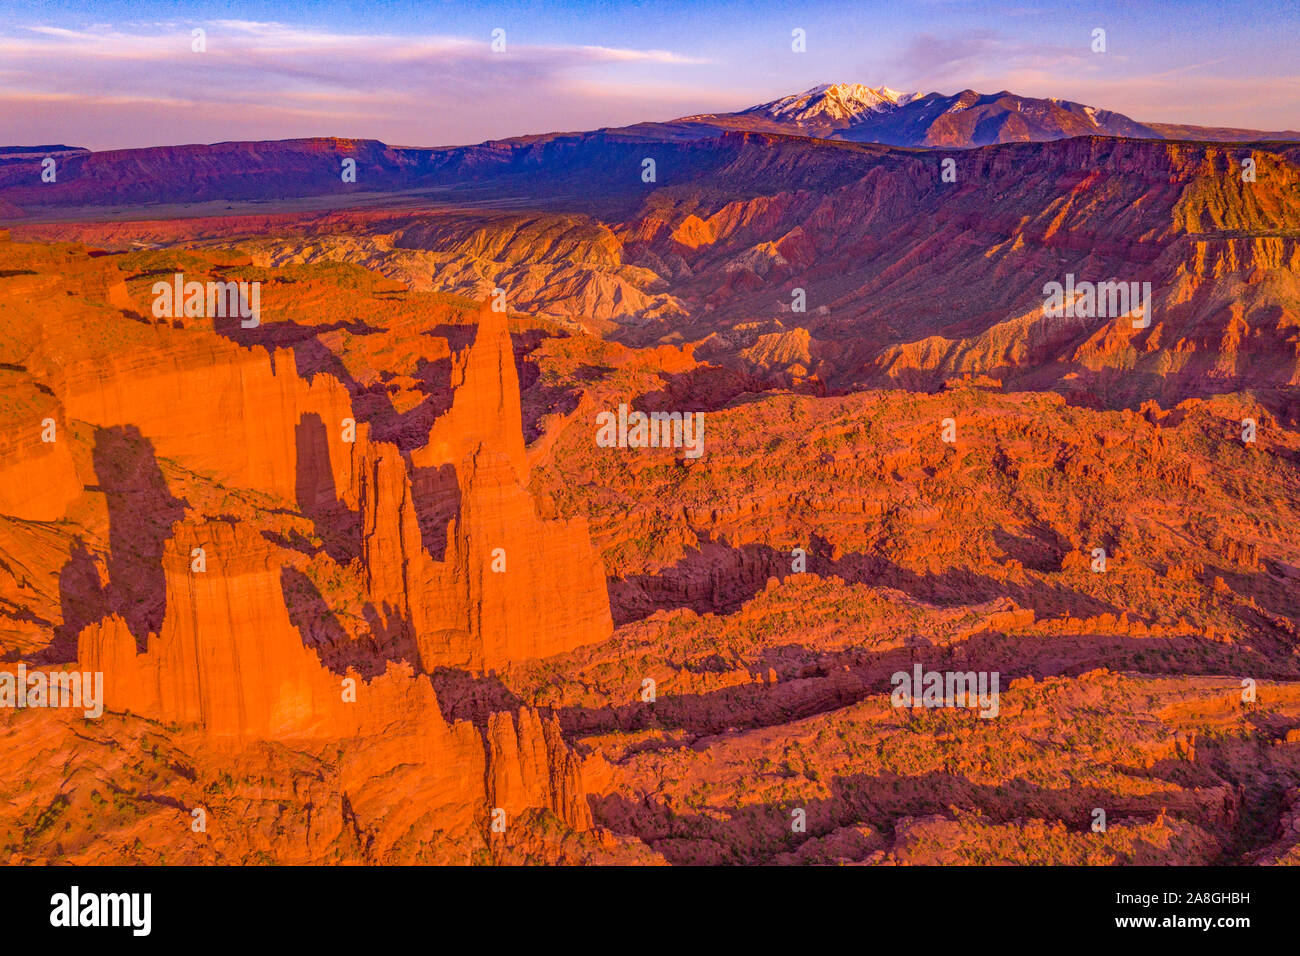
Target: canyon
(365, 587)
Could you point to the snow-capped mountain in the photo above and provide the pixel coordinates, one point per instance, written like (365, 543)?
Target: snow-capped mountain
(834, 101)
(852, 111)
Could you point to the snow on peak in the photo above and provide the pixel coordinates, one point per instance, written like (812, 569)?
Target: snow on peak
(836, 101)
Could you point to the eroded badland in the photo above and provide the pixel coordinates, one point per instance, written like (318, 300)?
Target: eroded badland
(364, 586)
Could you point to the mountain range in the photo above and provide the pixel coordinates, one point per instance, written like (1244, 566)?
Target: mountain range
(851, 111)
(297, 168)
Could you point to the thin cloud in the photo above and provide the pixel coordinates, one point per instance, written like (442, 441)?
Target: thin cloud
(989, 61)
(140, 84)
(253, 71)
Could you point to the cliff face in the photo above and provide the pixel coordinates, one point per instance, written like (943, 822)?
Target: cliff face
(210, 524)
(38, 479)
(495, 594)
(527, 587)
(229, 661)
(230, 412)
(227, 657)
(529, 765)
(392, 555)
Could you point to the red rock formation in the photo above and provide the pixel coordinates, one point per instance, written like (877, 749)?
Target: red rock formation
(529, 765)
(392, 555)
(38, 480)
(227, 657)
(514, 586)
(511, 585)
(229, 661)
(485, 404)
(209, 404)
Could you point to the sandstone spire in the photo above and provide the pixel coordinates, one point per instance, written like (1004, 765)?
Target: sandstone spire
(510, 585)
(393, 560)
(485, 406)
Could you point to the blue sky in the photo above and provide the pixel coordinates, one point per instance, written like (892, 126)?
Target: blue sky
(112, 73)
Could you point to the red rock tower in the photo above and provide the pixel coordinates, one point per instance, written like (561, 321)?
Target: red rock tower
(510, 585)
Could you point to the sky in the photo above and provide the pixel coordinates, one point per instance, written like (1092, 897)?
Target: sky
(109, 74)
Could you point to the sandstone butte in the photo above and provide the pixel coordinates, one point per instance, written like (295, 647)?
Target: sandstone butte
(225, 659)
(462, 611)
